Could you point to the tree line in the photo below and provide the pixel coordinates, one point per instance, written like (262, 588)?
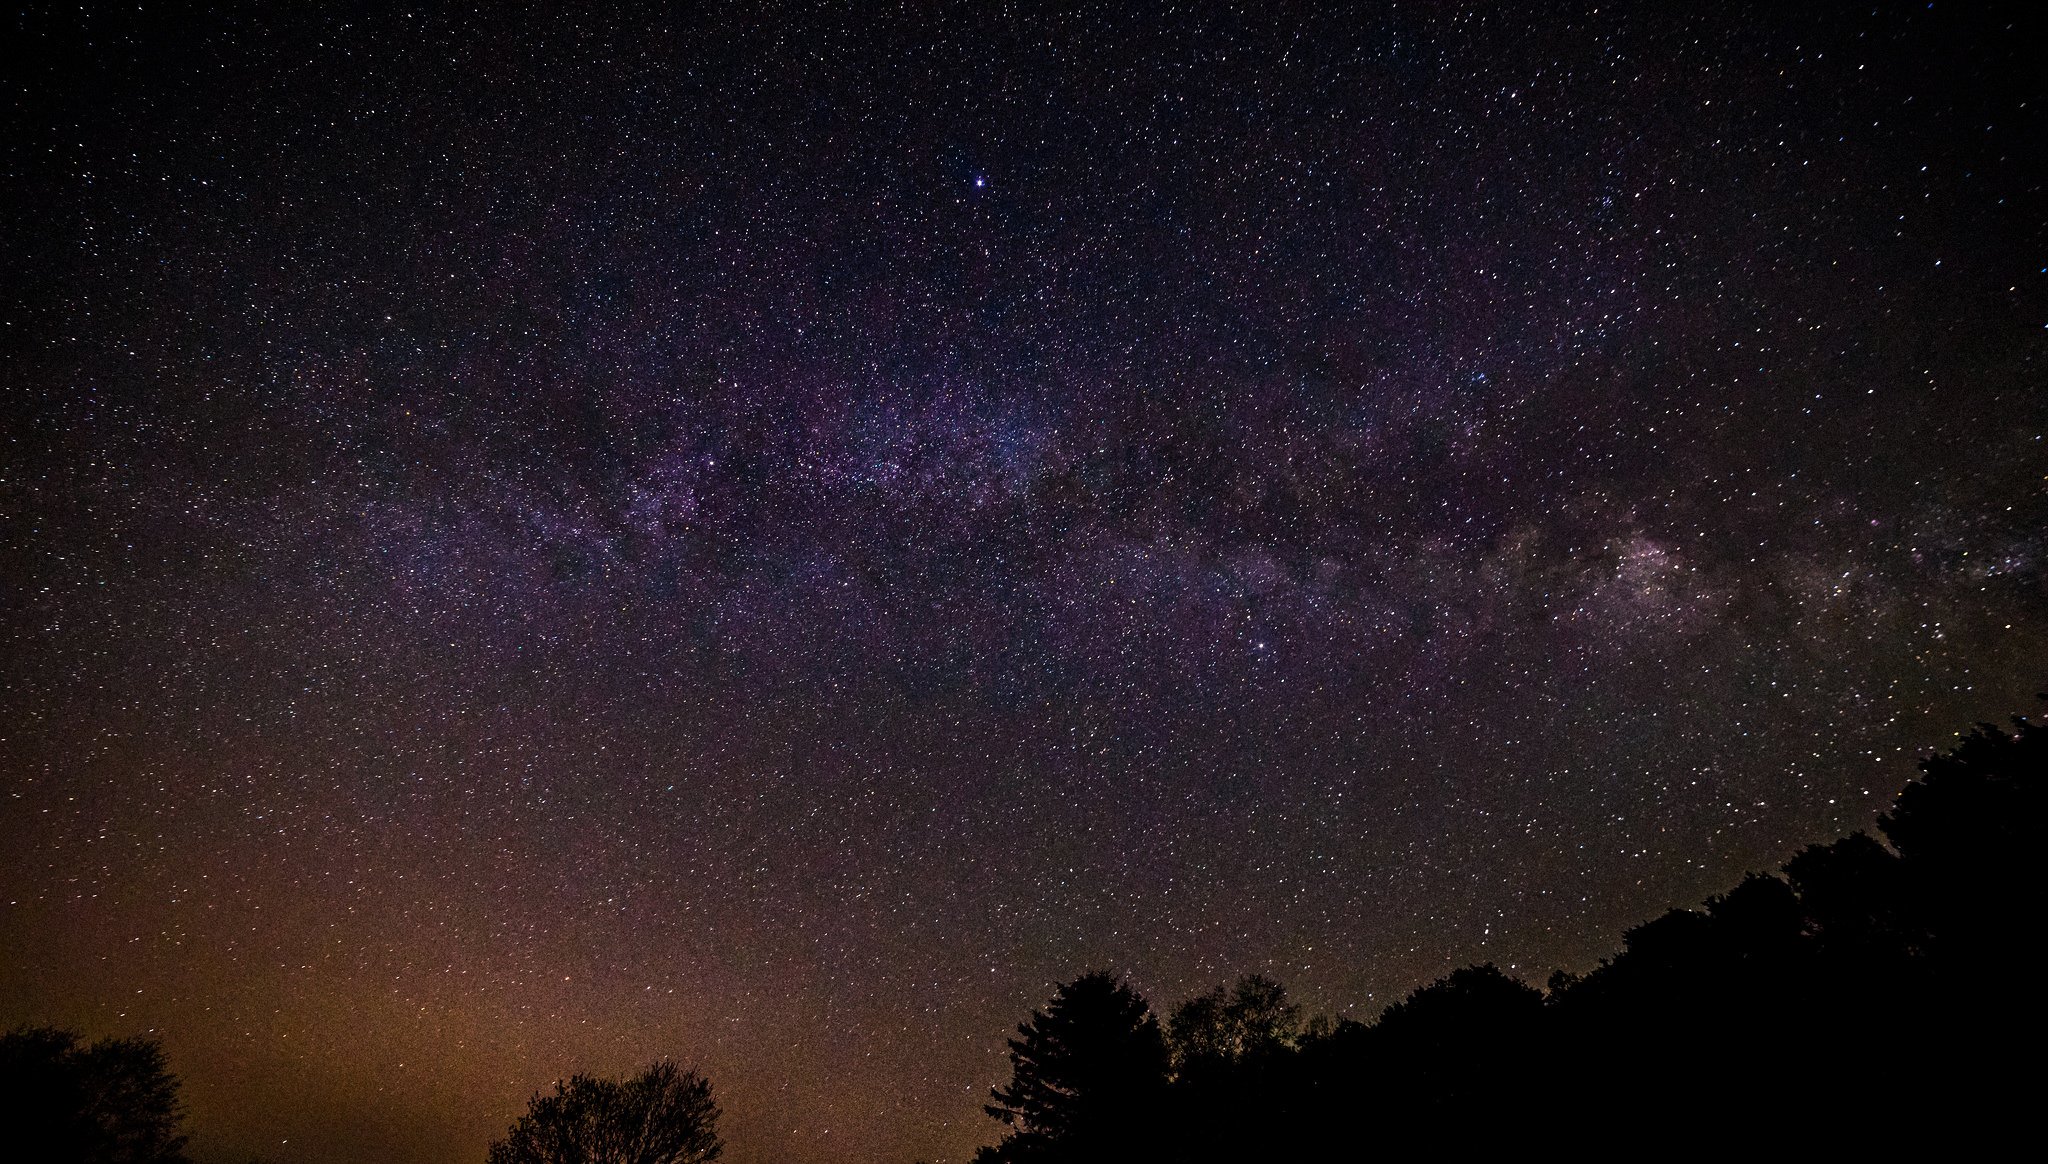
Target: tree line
(1872, 988)
(1876, 987)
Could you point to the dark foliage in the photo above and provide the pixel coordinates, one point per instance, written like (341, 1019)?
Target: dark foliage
(110, 1102)
(1875, 994)
(1087, 1074)
(664, 1115)
(1218, 1031)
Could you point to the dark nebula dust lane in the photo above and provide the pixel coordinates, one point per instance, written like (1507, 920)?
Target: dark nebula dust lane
(532, 542)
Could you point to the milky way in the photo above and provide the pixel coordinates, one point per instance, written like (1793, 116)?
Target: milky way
(533, 544)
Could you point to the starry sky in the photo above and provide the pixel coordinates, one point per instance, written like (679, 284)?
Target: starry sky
(772, 535)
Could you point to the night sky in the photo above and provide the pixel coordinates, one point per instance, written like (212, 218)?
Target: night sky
(773, 537)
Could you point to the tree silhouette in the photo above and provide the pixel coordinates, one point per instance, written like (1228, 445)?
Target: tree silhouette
(1467, 1007)
(1969, 833)
(664, 1115)
(110, 1102)
(1230, 1088)
(1852, 892)
(1222, 1028)
(1086, 1075)
(1979, 807)
(1870, 990)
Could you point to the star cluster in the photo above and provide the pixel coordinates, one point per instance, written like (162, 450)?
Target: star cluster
(536, 542)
